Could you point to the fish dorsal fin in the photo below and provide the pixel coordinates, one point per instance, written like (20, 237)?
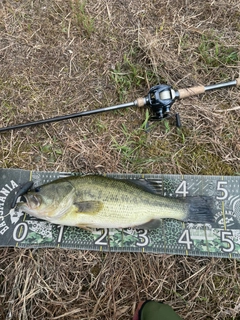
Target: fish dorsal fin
(89, 207)
(145, 185)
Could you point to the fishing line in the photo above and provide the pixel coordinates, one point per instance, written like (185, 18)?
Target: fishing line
(2, 217)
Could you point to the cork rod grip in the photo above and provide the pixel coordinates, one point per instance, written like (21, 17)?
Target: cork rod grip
(193, 91)
(140, 102)
(238, 82)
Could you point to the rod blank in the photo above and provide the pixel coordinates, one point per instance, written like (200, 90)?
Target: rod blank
(70, 116)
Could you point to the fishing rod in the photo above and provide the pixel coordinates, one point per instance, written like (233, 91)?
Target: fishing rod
(159, 99)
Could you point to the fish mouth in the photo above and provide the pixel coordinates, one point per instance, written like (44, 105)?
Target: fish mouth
(31, 201)
(23, 199)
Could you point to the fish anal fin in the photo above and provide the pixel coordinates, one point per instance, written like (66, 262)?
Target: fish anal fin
(88, 207)
(152, 224)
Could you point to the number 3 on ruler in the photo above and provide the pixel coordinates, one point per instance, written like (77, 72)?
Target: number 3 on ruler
(144, 238)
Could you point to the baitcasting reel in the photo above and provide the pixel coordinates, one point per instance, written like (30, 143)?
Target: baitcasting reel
(160, 98)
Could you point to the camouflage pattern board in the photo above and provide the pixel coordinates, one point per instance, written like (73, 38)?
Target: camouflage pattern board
(220, 239)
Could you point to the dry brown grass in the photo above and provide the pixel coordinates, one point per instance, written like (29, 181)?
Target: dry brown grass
(63, 284)
(60, 57)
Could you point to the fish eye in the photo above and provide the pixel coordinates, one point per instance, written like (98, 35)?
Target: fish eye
(37, 189)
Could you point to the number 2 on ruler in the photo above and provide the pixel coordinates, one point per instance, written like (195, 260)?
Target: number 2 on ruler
(101, 241)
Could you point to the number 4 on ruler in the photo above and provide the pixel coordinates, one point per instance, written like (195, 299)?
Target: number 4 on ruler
(182, 188)
(186, 239)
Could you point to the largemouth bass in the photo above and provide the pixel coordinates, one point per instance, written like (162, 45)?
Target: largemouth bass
(100, 202)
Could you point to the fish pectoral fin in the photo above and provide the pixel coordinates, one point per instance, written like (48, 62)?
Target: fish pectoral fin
(89, 207)
(152, 224)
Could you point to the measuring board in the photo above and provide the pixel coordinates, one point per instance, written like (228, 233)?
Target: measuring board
(219, 239)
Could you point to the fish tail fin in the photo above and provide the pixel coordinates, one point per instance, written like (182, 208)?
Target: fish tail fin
(200, 209)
